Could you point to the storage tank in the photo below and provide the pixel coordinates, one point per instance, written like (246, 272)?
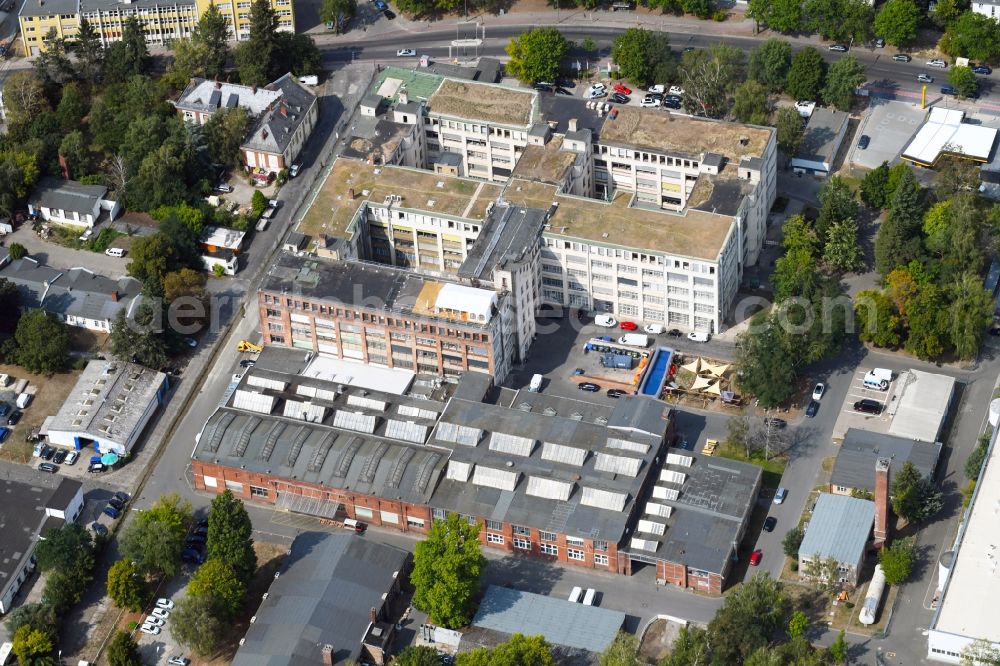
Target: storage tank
(873, 598)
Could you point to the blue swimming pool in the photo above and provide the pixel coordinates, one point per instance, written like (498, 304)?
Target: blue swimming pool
(652, 383)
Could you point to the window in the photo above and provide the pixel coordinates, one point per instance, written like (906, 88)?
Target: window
(574, 541)
(549, 549)
(414, 522)
(494, 525)
(601, 560)
(494, 538)
(363, 513)
(389, 517)
(575, 554)
(547, 536)
(211, 482)
(439, 514)
(257, 491)
(235, 487)
(601, 546)
(522, 544)
(523, 531)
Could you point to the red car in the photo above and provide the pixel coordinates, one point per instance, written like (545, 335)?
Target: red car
(628, 326)
(755, 557)
(622, 88)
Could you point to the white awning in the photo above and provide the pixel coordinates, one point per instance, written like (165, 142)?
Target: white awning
(459, 298)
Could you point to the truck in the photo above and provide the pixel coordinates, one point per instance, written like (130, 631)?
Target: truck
(247, 346)
(634, 340)
(617, 361)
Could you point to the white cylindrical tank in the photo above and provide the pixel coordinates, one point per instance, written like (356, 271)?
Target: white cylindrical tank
(873, 598)
(995, 412)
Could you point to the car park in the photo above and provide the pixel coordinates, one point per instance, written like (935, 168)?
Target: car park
(590, 387)
(812, 409)
(937, 62)
(769, 523)
(902, 57)
(982, 69)
(163, 602)
(605, 320)
(111, 512)
(622, 88)
(818, 391)
(615, 393)
(779, 495)
(72, 458)
(161, 613)
(48, 467)
(405, 53)
(619, 98)
(924, 78)
(839, 48)
(676, 90)
(650, 102)
(628, 326)
(756, 557)
(60, 457)
(868, 406)
(4, 434)
(864, 141)
(150, 629)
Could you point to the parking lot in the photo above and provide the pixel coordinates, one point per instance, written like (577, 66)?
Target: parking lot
(890, 125)
(848, 418)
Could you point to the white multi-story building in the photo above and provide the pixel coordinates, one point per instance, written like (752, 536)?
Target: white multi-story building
(989, 8)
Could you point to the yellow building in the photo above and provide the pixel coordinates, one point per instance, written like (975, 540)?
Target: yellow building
(162, 20)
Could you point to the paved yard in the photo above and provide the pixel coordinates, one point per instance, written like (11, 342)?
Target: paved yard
(57, 256)
(890, 125)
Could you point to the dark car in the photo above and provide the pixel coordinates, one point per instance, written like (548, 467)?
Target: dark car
(562, 91)
(994, 331)
(195, 539)
(542, 87)
(379, 5)
(982, 69)
(948, 90)
(192, 556)
(864, 141)
(200, 531)
(902, 57)
(60, 457)
(117, 503)
(590, 387)
(769, 523)
(47, 453)
(4, 434)
(248, 363)
(868, 406)
(615, 393)
(619, 98)
(99, 529)
(48, 467)
(15, 417)
(95, 468)
(122, 497)
(674, 333)
(202, 522)
(111, 512)
(671, 104)
(812, 408)
(4, 409)
(388, 13)
(775, 422)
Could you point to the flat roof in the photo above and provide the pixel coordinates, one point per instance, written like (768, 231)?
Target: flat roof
(561, 622)
(222, 237)
(333, 209)
(693, 233)
(395, 381)
(839, 527)
(681, 134)
(945, 133)
(382, 287)
(419, 84)
(484, 102)
(823, 135)
(973, 585)
(547, 163)
(924, 399)
(510, 233)
(551, 404)
(855, 464)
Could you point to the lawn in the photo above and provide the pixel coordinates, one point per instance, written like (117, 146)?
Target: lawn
(773, 467)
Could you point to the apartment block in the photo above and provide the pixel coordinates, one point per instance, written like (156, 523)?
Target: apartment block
(162, 21)
(386, 316)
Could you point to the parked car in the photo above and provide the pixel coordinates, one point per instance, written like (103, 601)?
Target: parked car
(117, 503)
(99, 529)
(818, 391)
(605, 320)
(389, 14)
(628, 326)
(163, 602)
(248, 363)
(380, 5)
(775, 422)
(615, 393)
(192, 556)
(150, 629)
(658, 88)
(112, 512)
(60, 457)
(4, 434)
(839, 48)
(590, 387)
(596, 90)
(676, 90)
(178, 660)
(675, 333)
(622, 88)
(48, 467)
(671, 103)
(123, 497)
(937, 62)
(619, 98)
(191, 342)
(161, 613)
(72, 458)
(812, 409)
(195, 540)
(902, 57)
(924, 78)
(405, 53)
(653, 329)
(868, 406)
(203, 531)
(864, 141)
(650, 102)
(48, 452)
(780, 494)
(37, 451)
(698, 336)
(223, 188)
(755, 557)
(948, 90)
(95, 468)
(155, 621)
(982, 69)
(4, 409)
(293, 171)
(879, 43)
(769, 523)
(202, 522)
(14, 417)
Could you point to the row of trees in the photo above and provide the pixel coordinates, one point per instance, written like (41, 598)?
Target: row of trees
(930, 257)
(896, 20)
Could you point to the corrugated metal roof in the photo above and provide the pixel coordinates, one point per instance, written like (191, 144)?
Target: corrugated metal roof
(839, 528)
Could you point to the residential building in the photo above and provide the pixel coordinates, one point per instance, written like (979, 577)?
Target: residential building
(839, 530)
(221, 246)
(336, 600)
(386, 316)
(108, 408)
(854, 468)
(77, 297)
(821, 140)
(27, 513)
(70, 202)
(989, 8)
(161, 21)
(283, 117)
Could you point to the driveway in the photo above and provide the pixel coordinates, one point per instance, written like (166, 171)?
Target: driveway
(57, 256)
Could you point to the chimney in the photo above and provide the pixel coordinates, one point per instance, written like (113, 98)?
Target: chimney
(374, 615)
(284, 110)
(404, 95)
(572, 124)
(114, 296)
(254, 89)
(882, 507)
(350, 193)
(327, 651)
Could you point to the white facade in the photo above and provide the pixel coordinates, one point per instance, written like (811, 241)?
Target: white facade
(986, 9)
(230, 265)
(81, 218)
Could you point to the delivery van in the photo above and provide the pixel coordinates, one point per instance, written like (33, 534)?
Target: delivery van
(536, 384)
(878, 379)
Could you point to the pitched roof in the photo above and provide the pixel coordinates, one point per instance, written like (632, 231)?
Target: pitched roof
(66, 195)
(275, 127)
(210, 96)
(855, 464)
(839, 528)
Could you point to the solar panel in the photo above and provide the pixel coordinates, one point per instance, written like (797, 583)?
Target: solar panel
(661, 510)
(491, 477)
(325, 394)
(458, 470)
(304, 411)
(410, 410)
(567, 455)
(603, 499)
(618, 464)
(651, 527)
(671, 476)
(659, 492)
(309, 391)
(253, 401)
(625, 445)
(370, 403)
(264, 382)
(408, 431)
(512, 444)
(643, 544)
(678, 459)
(458, 434)
(549, 488)
(356, 421)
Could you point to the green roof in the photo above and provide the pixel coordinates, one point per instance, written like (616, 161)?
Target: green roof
(419, 85)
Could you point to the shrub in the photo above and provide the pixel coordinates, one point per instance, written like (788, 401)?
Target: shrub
(218, 270)
(17, 251)
(720, 15)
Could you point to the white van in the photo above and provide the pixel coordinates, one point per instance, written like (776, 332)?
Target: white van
(878, 379)
(574, 596)
(536, 384)
(115, 252)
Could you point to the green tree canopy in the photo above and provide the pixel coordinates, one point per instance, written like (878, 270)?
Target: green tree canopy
(10, 305)
(897, 560)
(789, 129)
(519, 650)
(41, 343)
(768, 370)
(837, 203)
(749, 616)
(338, 13)
(842, 79)
(971, 311)
(215, 578)
(631, 50)
(963, 80)
(806, 75)
(878, 320)
(623, 651)
(446, 569)
(793, 539)
(973, 36)
(751, 103)
(69, 548)
(770, 62)
(842, 250)
(123, 650)
(784, 15)
(155, 539)
(30, 644)
(35, 615)
(418, 655)
(126, 586)
(897, 21)
(230, 535)
(200, 623)
(537, 55)
(874, 186)
(914, 497)
(798, 624)
(139, 337)
(710, 79)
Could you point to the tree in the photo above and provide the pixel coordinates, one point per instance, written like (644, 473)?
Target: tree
(36, 615)
(536, 55)
(971, 311)
(874, 186)
(225, 132)
(23, 97)
(837, 204)
(199, 623)
(785, 15)
(123, 650)
(89, 52)
(519, 650)
(17, 251)
(689, 648)
(798, 624)
(974, 463)
(255, 56)
(630, 52)
(768, 367)
(842, 250)
(927, 320)
(793, 539)
(73, 148)
(30, 644)
(126, 586)
(842, 79)
(10, 305)
(623, 651)
(789, 130)
(806, 74)
(751, 103)
(897, 21)
(72, 107)
(822, 571)
(914, 497)
(954, 175)
(898, 241)
(964, 81)
(53, 65)
(749, 616)
(758, 10)
(446, 569)
(839, 649)
(135, 55)
(41, 343)
(174, 247)
(230, 535)
(338, 12)
(211, 40)
(155, 539)
(139, 338)
(980, 652)
(215, 578)
(769, 63)
(972, 36)
(418, 655)
(878, 320)
(186, 287)
(897, 560)
(710, 78)
(69, 548)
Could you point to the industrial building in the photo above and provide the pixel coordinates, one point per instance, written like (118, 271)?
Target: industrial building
(108, 408)
(27, 512)
(854, 468)
(821, 140)
(839, 529)
(335, 600)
